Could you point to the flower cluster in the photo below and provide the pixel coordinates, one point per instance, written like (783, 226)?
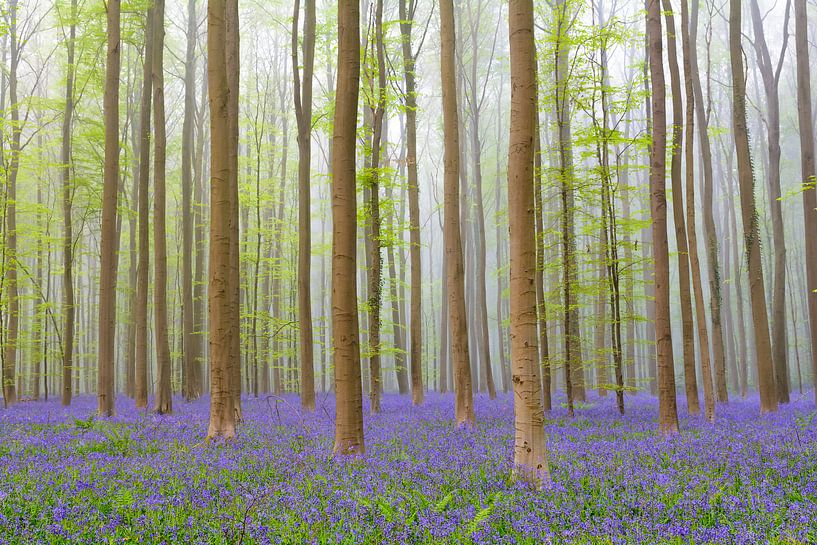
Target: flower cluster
(69, 477)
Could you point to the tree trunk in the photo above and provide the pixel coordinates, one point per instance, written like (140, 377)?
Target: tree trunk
(199, 283)
(482, 332)
(190, 345)
(222, 415)
(687, 324)
(454, 274)
(10, 250)
(707, 200)
(770, 76)
(572, 350)
(410, 99)
(694, 260)
(345, 334)
(233, 66)
(68, 228)
(667, 410)
(108, 237)
(804, 109)
(530, 457)
(303, 113)
(541, 304)
(143, 266)
(164, 397)
(751, 234)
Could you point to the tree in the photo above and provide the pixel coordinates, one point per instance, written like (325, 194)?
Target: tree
(191, 343)
(232, 64)
(406, 13)
(69, 310)
(373, 233)
(667, 409)
(345, 335)
(687, 325)
(164, 397)
(11, 261)
(572, 340)
(771, 77)
(530, 458)
(475, 100)
(109, 243)
(455, 272)
(303, 114)
(807, 167)
(222, 415)
(694, 260)
(713, 264)
(751, 231)
(143, 265)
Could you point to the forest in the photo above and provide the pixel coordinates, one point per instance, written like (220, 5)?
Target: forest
(408, 271)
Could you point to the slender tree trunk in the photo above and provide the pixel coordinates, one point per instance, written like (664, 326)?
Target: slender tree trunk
(807, 171)
(500, 273)
(406, 13)
(541, 304)
(707, 201)
(189, 343)
(770, 76)
(143, 266)
(647, 246)
(11, 279)
(743, 353)
(373, 247)
(694, 260)
(222, 415)
(667, 409)
(69, 309)
(572, 350)
(445, 345)
(233, 66)
(687, 324)
(530, 456)
(345, 335)
(454, 273)
(199, 283)
(108, 241)
(481, 332)
(303, 114)
(751, 234)
(164, 397)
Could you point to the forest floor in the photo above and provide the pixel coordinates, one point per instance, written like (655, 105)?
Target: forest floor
(67, 477)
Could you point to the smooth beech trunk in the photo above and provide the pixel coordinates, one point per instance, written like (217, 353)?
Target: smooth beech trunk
(164, 396)
(687, 324)
(667, 408)
(455, 271)
(69, 324)
(303, 114)
(108, 237)
(530, 457)
(233, 65)
(694, 260)
(406, 13)
(222, 415)
(771, 76)
(345, 332)
(143, 204)
(10, 263)
(191, 344)
(751, 230)
(574, 374)
(707, 202)
(804, 108)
